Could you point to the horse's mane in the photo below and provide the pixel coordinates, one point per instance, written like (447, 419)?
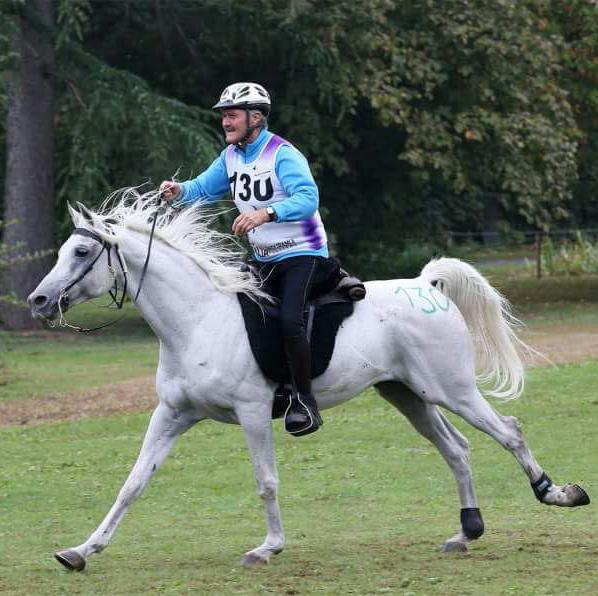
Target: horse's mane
(187, 230)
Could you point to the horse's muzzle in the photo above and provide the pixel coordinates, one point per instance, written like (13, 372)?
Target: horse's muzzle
(44, 307)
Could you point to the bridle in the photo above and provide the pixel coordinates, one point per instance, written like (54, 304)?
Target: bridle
(107, 247)
(114, 290)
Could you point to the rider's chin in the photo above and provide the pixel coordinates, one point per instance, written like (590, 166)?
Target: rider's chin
(231, 136)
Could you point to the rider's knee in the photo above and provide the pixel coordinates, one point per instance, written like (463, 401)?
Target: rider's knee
(291, 326)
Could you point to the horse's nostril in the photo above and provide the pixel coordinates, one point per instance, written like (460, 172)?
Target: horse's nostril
(40, 300)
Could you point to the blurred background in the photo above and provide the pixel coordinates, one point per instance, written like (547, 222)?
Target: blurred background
(464, 128)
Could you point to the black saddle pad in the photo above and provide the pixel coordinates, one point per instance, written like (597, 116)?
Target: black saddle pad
(265, 337)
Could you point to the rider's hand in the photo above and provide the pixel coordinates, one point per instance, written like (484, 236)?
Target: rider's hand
(249, 220)
(170, 190)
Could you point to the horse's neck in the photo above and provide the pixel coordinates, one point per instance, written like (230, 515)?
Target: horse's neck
(176, 296)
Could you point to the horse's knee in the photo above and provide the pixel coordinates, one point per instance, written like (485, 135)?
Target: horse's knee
(268, 489)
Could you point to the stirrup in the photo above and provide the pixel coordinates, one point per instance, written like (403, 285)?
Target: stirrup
(313, 420)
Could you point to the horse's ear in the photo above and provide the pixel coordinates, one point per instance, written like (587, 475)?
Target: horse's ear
(73, 213)
(85, 212)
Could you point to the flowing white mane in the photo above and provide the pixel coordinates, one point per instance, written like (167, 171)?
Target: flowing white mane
(188, 230)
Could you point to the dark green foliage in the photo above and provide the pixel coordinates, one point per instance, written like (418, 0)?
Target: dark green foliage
(114, 131)
(417, 117)
(577, 22)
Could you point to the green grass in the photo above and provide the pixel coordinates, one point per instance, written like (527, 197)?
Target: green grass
(365, 501)
(547, 314)
(518, 282)
(532, 291)
(53, 362)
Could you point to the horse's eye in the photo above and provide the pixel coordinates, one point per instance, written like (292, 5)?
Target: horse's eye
(81, 251)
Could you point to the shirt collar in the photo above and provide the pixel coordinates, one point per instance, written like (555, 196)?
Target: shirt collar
(252, 150)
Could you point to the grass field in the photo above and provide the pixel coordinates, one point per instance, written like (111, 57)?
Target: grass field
(60, 361)
(366, 502)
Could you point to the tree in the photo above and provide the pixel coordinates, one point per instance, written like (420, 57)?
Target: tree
(577, 22)
(417, 117)
(29, 183)
(111, 130)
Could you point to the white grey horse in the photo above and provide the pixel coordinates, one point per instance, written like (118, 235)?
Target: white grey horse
(418, 341)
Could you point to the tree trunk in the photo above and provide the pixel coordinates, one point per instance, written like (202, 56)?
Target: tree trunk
(490, 235)
(29, 165)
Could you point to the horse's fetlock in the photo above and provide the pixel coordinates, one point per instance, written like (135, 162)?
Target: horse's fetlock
(472, 522)
(97, 547)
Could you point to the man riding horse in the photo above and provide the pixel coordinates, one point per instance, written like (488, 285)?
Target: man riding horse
(277, 197)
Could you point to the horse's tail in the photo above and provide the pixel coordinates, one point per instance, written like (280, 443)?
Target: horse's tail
(488, 316)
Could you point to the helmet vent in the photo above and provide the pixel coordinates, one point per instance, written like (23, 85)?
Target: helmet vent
(244, 95)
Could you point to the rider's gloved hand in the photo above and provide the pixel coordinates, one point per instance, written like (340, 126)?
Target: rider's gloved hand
(170, 190)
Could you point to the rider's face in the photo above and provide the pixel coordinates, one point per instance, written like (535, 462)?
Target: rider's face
(234, 123)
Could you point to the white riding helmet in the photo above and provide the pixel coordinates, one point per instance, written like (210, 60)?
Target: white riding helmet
(245, 95)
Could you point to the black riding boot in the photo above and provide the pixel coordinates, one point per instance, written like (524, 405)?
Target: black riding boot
(302, 416)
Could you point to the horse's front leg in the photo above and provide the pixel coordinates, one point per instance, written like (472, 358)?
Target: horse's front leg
(256, 421)
(165, 426)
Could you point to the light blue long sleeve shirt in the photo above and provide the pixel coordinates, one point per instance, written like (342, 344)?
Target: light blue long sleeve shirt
(291, 168)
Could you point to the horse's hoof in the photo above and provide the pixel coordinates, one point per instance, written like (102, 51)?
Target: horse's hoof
(577, 495)
(454, 547)
(253, 560)
(71, 559)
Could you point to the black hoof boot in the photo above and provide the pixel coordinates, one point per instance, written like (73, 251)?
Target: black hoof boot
(302, 416)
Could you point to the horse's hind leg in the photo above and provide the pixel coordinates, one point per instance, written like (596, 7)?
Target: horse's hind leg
(454, 448)
(473, 408)
(164, 428)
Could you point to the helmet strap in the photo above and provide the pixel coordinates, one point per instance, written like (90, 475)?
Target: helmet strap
(243, 142)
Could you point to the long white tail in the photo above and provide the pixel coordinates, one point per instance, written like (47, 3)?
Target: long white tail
(488, 316)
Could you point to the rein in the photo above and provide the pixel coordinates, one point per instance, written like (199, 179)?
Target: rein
(106, 246)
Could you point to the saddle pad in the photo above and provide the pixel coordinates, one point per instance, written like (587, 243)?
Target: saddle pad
(265, 337)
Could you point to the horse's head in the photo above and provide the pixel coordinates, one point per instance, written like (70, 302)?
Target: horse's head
(82, 271)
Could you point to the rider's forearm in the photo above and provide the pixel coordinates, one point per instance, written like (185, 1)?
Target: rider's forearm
(210, 185)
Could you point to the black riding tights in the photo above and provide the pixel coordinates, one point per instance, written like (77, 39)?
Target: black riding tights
(293, 281)
(290, 281)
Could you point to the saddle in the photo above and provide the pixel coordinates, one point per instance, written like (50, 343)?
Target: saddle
(323, 314)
